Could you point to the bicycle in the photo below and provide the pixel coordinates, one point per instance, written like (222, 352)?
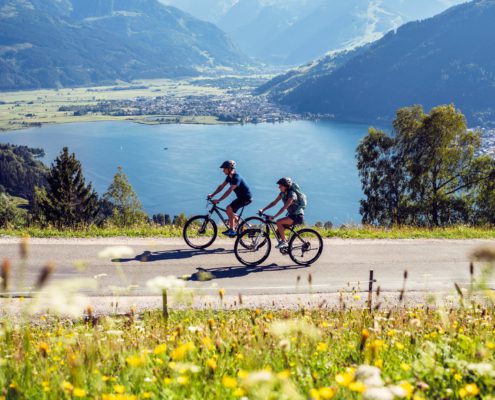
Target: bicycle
(201, 231)
(305, 245)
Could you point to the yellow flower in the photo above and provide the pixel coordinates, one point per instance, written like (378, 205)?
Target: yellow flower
(408, 388)
(470, 390)
(44, 348)
(67, 386)
(78, 392)
(344, 379)
(212, 364)
(357, 387)
(183, 380)
(180, 352)
(239, 392)
(283, 374)
(399, 346)
(405, 367)
(134, 361)
(314, 394)
(167, 381)
(458, 377)
(221, 293)
(242, 374)
(391, 332)
(119, 389)
(322, 347)
(379, 363)
(147, 395)
(490, 345)
(229, 382)
(326, 393)
(160, 349)
(357, 297)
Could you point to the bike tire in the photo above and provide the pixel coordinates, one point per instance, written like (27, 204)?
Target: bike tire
(259, 240)
(189, 232)
(248, 224)
(297, 245)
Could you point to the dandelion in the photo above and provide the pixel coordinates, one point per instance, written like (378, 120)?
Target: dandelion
(239, 392)
(135, 361)
(322, 347)
(470, 390)
(212, 364)
(405, 367)
(183, 380)
(78, 392)
(229, 382)
(180, 352)
(119, 389)
(160, 349)
(358, 387)
(44, 348)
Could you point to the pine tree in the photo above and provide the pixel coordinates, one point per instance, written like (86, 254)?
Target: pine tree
(66, 201)
(127, 209)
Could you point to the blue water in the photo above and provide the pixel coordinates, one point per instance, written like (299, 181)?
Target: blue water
(320, 156)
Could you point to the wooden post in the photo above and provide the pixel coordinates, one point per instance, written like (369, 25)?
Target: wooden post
(370, 291)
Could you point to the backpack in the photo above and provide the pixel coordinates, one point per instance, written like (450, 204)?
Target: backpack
(302, 200)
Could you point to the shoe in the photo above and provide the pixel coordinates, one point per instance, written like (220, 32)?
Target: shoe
(230, 233)
(282, 245)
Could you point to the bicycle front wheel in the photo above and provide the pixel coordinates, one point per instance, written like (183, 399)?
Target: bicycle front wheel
(252, 247)
(305, 246)
(251, 223)
(200, 232)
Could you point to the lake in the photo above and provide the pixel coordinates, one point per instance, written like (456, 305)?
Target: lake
(173, 167)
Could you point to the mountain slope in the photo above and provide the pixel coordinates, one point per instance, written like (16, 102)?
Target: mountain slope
(54, 43)
(448, 58)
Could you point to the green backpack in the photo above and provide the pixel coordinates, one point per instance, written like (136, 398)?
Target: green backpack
(302, 200)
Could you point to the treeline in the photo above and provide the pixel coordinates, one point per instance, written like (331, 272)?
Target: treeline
(428, 172)
(60, 197)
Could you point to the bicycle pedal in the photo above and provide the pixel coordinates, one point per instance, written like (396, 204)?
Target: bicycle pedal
(284, 251)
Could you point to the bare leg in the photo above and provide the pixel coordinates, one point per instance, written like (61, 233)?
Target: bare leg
(281, 228)
(232, 217)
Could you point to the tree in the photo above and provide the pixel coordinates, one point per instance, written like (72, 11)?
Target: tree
(423, 174)
(66, 201)
(127, 209)
(10, 214)
(485, 193)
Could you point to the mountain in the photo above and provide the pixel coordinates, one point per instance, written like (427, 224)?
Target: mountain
(56, 43)
(449, 58)
(291, 32)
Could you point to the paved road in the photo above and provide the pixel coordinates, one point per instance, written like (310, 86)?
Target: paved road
(432, 265)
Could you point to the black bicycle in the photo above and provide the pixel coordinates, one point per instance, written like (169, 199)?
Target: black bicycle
(201, 231)
(253, 246)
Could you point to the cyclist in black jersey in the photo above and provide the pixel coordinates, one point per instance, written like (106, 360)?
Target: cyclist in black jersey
(239, 187)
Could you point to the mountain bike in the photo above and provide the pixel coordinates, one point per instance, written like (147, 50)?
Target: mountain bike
(201, 231)
(253, 246)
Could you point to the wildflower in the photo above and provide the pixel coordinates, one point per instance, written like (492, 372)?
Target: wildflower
(119, 389)
(167, 380)
(357, 297)
(239, 392)
(358, 387)
(160, 283)
(405, 367)
(147, 395)
(229, 382)
(44, 348)
(399, 346)
(160, 349)
(458, 377)
(283, 374)
(134, 361)
(326, 393)
(322, 347)
(67, 386)
(212, 364)
(345, 378)
(78, 392)
(183, 380)
(114, 252)
(221, 293)
(379, 363)
(470, 390)
(180, 352)
(407, 387)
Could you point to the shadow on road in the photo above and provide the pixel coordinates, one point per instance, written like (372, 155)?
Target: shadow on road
(151, 256)
(235, 272)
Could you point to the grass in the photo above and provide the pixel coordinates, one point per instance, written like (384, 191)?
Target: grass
(305, 354)
(457, 232)
(44, 104)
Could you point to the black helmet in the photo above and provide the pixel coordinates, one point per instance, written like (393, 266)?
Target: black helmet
(228, 164)
(286, 181)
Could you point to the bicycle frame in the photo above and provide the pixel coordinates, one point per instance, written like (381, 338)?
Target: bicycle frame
(272, 226)
(216, 209)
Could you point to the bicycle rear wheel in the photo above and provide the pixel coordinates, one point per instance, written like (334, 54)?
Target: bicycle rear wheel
(305, 247)
(252, 247)
(200, 232)
(250, 223)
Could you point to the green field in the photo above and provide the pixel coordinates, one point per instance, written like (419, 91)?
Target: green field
(457, 232)
(43, 104)
(420, 353)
